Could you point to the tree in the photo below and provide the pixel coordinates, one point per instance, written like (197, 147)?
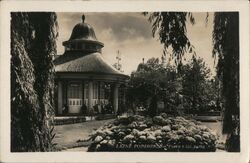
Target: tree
(215, 92)
(32, 45)
(226, 47)
(195, 84)
(153, 81)
(171, 30)
(118, 65)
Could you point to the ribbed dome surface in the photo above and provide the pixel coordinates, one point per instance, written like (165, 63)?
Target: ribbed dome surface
(83, 31)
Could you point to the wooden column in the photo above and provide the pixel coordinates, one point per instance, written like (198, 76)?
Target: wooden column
(90, 93)
(99, 91)
(60, 97)
(83, 108)
(65, 92)
(116, 97)
(83, 89)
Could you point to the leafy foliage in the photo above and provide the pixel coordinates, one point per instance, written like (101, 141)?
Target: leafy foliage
(118, 66)
(191, 88)
(172, 31)
(150, 82)
(196, 85)
(226, 47)
(32, 45)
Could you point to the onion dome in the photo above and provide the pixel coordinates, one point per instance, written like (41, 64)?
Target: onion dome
(83, 39)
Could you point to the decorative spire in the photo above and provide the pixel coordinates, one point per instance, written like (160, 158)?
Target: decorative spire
(83, 18)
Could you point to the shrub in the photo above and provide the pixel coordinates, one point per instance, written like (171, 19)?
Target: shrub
(162, 134)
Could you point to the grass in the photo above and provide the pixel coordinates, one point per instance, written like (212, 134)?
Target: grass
(68, 136)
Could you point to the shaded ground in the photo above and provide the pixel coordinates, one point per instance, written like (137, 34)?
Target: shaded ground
(68, 135)
(217, 127)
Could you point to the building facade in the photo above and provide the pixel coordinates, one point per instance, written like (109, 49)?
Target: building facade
(85, 83)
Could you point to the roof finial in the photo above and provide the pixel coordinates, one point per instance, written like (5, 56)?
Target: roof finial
(83, 18)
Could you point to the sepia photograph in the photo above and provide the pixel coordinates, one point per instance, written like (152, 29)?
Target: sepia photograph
(144, 81)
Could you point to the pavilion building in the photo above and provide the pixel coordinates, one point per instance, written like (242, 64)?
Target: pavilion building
(85, 83)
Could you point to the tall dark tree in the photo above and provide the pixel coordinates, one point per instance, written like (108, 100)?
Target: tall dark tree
(171, 30)
(226, 47)
(32, 45)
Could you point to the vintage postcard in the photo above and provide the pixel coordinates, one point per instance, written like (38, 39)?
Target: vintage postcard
(122, 81)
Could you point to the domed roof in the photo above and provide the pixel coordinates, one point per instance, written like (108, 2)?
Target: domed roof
(82, 59)
(83, 31)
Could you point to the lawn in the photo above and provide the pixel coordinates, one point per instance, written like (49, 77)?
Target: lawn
(68, 135)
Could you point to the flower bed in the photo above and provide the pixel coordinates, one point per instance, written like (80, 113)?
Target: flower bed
(160, 133)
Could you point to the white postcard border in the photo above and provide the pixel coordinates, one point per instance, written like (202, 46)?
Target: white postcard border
(122, 6)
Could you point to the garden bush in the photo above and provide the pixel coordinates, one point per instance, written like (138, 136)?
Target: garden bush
(160, 133)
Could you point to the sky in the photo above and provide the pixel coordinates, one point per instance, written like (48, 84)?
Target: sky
(131, 34)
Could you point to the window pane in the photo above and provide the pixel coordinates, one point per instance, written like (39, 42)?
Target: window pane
(74, 90)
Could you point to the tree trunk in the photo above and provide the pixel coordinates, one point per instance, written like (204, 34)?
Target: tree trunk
(32, 44)
(226, 44)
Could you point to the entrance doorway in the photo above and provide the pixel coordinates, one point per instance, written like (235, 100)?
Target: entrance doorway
(75, 97)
